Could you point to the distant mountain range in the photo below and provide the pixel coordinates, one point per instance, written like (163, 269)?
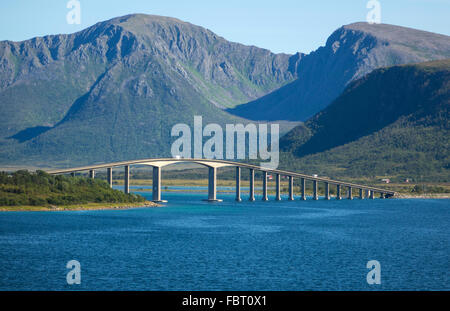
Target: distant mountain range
(394, 121)
(351, 52)
(114, 90)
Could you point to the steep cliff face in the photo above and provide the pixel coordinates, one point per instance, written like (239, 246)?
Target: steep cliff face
(114, 90)
(350, 53)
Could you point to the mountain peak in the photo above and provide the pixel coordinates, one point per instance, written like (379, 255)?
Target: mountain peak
(408, 37)
(140, 19)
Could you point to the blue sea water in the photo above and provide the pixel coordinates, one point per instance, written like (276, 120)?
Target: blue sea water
(193, 245)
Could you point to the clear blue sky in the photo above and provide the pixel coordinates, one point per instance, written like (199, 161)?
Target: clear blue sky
(279, 25)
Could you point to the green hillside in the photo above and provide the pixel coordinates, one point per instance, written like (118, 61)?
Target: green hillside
(114, 90)
(393, 122)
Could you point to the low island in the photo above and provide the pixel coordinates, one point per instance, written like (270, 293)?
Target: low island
(39, 191)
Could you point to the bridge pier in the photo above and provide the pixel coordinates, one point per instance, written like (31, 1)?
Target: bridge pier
(303, 189)
(92, 174)
(72, 174)
(315, 192)
(338, 192)
(366, 194)
(264, 198)
(126, 180)
(109, 176)
(238, 184)
(156, 188)
(349, 193)
(278, 191)
(252, 185)
(291, 188)
(327, 191)
(381, 195)
(371, 194)
(361, 195)
(212, 185)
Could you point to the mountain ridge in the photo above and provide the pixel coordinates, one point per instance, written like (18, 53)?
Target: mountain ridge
(114, 89)
(350, 52)
(393, 121)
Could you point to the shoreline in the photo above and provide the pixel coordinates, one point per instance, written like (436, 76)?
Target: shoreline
(423, 196)
(79, 207)
(272, 192)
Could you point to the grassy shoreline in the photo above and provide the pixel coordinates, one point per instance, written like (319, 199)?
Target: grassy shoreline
(78, 207)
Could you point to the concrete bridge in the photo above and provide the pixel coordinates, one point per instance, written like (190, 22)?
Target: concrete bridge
(213, 165)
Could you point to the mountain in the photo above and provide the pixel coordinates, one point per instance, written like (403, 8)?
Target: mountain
(114, 90)
(350, 52)
(394, 121)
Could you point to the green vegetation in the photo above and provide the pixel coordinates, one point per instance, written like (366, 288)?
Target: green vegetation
(23, 188)
(113, 91)
(392, 123)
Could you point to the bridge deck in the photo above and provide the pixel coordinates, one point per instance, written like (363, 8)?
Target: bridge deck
(218, 163)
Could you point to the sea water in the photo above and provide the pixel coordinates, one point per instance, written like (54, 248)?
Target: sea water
(189, 244)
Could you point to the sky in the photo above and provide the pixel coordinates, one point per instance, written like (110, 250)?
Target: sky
(287, 26)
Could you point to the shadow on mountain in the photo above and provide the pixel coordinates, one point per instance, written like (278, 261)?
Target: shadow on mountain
(399, 97)
(30, 133)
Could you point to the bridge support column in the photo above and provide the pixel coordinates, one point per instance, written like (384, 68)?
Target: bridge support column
(366, 194)
(212, 185)
(264, 198)
(156, 189)
(126, 180)
(327, 191)
(92, 174)
(338, 192)
(361, 195)
(303, 186)
(252, 185)
(109, 176)
(381, 195)
(291, 188)
(238, 184)
(349, 194)
(278, 186)
(316, 195)
(371, 194)
(72, 174)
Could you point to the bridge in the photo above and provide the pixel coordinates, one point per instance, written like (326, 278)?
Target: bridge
(213, 165)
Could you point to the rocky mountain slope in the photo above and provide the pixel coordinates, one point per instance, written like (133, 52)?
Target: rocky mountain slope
(350, 53)
(114, 90)
(394, 121)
